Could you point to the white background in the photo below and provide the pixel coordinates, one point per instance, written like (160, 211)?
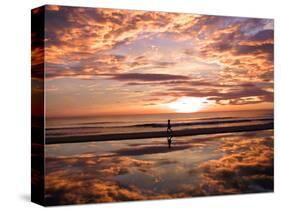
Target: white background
(15, 104)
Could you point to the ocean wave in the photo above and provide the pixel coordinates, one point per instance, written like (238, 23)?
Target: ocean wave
(163, 125)
(201, 123)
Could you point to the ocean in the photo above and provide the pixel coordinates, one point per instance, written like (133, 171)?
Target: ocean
(96, 125)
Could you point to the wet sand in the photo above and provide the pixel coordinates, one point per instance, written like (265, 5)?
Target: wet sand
(143, 169)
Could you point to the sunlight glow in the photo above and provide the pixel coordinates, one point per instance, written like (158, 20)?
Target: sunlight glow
(188, 104)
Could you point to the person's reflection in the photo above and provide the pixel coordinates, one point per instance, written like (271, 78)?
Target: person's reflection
(169, 133)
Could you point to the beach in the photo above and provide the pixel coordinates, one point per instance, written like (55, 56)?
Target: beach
(158, 134)
(202, 165)
(113, 159)
(87, 129)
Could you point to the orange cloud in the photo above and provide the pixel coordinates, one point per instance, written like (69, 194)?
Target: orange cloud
(95, 183)
(246, 167)
(217, 54)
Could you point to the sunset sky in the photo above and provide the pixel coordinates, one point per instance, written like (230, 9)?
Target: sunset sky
(108, 61)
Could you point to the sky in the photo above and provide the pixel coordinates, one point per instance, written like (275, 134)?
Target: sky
(110, 61)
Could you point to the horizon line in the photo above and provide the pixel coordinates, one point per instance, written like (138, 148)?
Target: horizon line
(139, 114)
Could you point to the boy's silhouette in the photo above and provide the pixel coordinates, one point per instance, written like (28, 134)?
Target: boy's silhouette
(169, 133)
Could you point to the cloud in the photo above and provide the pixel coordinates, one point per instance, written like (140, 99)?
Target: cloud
(248, 49)
(244, 93)
(37, 41)
(52, 7)
(247, 167)
(261, 37)
(192, 55)
(82, 34)
(72, 31)
(148, 77)
(91, 179)
(249, 42)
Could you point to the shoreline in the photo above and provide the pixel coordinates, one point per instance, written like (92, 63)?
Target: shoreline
(157, 134)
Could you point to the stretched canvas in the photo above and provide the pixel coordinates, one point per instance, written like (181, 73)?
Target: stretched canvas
(142, 105)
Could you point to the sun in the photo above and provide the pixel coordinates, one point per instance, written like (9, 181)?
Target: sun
(188, 104)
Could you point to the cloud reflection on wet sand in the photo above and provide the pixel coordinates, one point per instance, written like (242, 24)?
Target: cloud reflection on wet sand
(225, 164)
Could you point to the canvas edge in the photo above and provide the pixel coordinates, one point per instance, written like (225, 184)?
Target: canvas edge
(37, 106)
